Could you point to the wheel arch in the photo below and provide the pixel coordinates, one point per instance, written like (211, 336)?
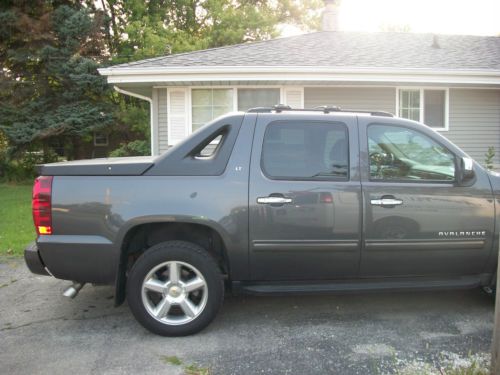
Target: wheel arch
(142, 233)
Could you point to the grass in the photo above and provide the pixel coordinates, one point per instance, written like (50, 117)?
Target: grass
(449, 364)
(172, 360)
(16, 223)
(191, 369)
(196, 370)
(474, 368)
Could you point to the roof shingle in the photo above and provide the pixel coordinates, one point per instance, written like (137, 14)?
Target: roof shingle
(345, 49)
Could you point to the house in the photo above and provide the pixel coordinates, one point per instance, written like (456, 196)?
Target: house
(449, 82)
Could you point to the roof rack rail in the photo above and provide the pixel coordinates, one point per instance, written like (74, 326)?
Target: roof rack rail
(277, 108)
(324, 108)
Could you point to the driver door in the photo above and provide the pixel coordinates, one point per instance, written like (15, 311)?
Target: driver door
(417, 220)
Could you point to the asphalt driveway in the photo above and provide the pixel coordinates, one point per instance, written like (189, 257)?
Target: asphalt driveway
(42, 332)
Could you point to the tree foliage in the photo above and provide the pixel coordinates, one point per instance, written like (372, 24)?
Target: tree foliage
(50, 87)
(138, 29)
(50, 51)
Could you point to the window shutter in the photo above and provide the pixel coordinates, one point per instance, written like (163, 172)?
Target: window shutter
(294, 97)
(178, 111)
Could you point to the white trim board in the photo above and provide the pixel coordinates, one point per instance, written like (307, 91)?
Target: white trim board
(181, 116)
(289, 69)
(274, 77)
(308, 73)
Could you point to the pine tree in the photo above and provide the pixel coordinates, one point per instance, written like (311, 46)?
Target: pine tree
(50, 87)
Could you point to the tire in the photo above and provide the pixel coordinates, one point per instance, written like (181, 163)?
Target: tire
(175, 289)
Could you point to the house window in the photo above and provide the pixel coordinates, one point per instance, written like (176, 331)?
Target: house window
(208, 104)
(251, 98)
(425, 105)
(434, 108)
(409, 104)
(101, 139)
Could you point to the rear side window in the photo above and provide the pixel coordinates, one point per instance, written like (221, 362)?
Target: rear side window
(211, 148)
(299, 150)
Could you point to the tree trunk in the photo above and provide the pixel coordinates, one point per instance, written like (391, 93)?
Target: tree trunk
(77, 149)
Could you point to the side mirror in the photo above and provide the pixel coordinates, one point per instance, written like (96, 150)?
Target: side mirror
(465, 171)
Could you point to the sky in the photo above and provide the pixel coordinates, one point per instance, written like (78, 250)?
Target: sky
(468, 17)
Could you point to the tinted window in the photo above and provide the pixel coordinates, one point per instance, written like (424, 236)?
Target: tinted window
(397, 153)
(211, 148)
(301, 150)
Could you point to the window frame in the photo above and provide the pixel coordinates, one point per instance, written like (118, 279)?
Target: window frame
(456, 158)
(190, 101)
(98, 144)
(317, 178)
(421, 90)
(235, 88)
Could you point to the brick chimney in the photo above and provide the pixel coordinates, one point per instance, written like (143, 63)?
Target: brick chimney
(330, 16)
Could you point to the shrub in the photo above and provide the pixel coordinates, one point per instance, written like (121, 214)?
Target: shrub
(488, 158)
(134, 148)
(22, 168)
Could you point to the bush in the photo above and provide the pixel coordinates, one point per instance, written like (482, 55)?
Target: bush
(134, 148)
(489, 157)
(22, 168)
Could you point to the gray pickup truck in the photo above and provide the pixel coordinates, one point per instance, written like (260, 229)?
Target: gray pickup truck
(273, 200)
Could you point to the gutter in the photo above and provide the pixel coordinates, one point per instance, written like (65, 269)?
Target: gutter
(122, 71)
(305, 74)
(150, 100)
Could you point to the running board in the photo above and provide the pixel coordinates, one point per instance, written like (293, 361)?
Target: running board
(356, 286)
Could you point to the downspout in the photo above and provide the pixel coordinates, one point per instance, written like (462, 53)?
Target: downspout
(150, 100)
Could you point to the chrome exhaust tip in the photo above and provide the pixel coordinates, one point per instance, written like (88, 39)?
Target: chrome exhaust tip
(73, 290)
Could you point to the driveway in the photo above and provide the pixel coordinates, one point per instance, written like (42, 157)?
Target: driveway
(44, 333)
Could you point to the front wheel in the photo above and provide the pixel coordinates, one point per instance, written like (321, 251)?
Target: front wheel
(175, 289)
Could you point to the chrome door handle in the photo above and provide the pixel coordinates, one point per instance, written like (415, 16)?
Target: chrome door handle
(386, 202)
(273, 200)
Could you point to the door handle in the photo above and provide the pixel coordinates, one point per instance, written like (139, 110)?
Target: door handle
(273, 200)
(386, 202)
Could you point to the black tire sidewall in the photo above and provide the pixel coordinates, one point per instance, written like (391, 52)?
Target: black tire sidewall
(175, 251)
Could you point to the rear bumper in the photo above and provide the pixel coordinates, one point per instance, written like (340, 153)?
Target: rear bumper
(33, 260)
(80, 258)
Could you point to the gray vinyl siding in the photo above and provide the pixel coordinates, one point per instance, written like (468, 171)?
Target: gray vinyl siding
(359, 98)
(474, 114)
(162, 120)
(475, 121)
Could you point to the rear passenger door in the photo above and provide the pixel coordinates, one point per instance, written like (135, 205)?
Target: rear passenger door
(304, 198)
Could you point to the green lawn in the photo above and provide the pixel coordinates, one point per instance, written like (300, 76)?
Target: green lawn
(16, 222)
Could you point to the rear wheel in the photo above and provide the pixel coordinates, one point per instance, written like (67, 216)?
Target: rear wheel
(175, 288)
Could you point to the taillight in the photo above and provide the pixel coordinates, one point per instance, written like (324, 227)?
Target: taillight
(41, 204)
